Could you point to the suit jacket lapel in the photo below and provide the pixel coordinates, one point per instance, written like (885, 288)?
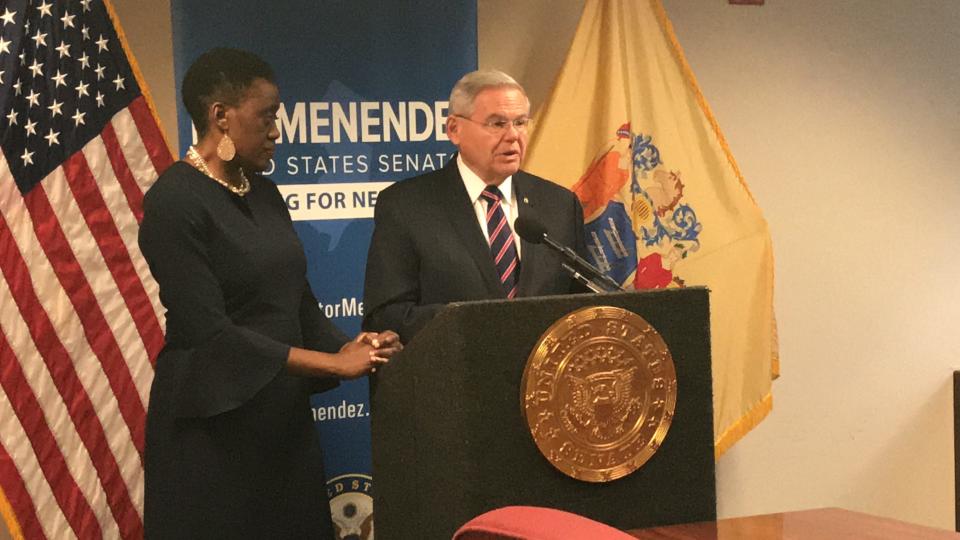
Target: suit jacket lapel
(459, 210)
(526, 205)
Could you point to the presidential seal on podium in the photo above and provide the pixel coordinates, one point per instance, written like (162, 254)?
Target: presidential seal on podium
(599, 392)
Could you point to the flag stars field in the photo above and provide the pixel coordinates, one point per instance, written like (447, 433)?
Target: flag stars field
(36, 68)
(55, 108)
(63, 49)
(45, 9)
(52, 137)
(59, 78)
(7, 16)
(40, 39)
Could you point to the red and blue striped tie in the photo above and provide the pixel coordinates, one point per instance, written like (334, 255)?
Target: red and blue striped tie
(502, 246)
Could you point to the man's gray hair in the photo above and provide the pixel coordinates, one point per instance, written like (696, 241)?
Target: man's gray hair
(471, 84)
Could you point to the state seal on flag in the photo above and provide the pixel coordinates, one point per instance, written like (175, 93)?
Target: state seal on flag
(637, 224)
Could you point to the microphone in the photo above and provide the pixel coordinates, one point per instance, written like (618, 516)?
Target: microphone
(533, 231)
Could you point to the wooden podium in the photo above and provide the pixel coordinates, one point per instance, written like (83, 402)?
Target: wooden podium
(450, 440)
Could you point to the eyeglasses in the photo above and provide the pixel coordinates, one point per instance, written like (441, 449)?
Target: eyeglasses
(500, 125)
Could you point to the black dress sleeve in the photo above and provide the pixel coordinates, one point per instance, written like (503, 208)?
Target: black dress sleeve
(319, 334)
(218, 365)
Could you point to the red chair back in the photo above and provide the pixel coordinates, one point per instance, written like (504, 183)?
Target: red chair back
(536, 523)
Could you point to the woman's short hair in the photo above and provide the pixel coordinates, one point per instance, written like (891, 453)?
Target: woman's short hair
(471, 84)
(221, 74)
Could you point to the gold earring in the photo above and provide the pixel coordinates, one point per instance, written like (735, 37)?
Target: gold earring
(226, 150)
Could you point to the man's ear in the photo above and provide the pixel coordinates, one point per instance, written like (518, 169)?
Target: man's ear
(453, 129)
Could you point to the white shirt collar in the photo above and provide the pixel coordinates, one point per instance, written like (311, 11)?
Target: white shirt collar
(475, 185)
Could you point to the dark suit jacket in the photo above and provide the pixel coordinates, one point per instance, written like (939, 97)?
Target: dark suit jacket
(428, 248)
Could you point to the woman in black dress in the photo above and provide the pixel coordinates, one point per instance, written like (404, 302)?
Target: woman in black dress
(231, 450)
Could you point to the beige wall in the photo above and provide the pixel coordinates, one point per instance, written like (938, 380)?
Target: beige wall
(844, 119)
(147, 25)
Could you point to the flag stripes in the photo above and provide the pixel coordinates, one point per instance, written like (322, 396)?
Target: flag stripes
(145, 312)
(61, 245)
(24, 501)
(151, 138)
(38, 448)
(121, 171)
(75, 375)
(115, 254)
(119, 352)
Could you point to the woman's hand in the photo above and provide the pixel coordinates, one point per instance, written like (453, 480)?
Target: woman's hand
(356, 359)
(385, 343)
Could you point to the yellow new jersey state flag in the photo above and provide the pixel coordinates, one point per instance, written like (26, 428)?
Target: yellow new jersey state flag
(627, 129)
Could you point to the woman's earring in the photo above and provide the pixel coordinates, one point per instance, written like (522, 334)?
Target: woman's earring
(226, 150)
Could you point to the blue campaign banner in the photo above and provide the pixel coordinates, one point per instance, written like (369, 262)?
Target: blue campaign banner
(364, 87)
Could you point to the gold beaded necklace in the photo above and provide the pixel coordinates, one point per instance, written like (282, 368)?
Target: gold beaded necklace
(198, 161)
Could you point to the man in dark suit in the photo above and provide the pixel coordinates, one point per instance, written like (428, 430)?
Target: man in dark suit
(449, 235)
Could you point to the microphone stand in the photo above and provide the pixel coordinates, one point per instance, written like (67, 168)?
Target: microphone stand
(584, 280)
(599, 283)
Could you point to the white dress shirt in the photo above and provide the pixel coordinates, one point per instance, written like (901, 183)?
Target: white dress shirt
(475, 187)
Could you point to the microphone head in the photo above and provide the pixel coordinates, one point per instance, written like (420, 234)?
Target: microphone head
(530, 229)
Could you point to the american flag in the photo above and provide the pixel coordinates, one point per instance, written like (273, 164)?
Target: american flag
(80, 319)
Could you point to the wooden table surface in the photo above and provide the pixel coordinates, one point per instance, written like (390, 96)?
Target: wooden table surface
(823, 523)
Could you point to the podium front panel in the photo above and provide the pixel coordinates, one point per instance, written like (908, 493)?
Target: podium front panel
(450, 440)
